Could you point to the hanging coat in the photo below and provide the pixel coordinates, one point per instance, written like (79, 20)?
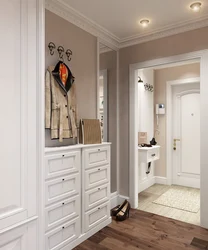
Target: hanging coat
(60, 103)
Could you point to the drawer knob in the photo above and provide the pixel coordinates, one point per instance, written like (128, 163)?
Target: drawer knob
(98, 188)
(99, 208)
(98, 149)
(63, 203)
(63, 227)
(153, 155)
(98, 169)
(63, 155)
(63, 179)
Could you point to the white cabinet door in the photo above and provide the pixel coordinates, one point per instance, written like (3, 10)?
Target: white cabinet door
(18, 83)
(20, 238)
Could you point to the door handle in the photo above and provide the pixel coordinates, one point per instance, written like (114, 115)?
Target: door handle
(174, 143)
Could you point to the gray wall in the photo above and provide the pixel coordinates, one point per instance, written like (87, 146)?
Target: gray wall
(168, 46)
(83, 64)
(108, 61)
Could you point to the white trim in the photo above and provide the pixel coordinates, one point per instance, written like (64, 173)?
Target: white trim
(41, 121)
(133, 111)
(169, 107)
(118, 126)
(60, 8)
(65, 11)
(146, 183)
(161, 180)
(164, 32)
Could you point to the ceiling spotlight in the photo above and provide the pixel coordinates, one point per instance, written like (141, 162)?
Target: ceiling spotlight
(144, 22)
(196, 6)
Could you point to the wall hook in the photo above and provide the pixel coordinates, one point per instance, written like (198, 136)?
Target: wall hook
(60, 52)
(69, 54)
(51, 47)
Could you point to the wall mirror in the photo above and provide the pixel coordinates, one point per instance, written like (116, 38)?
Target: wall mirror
(107, 101)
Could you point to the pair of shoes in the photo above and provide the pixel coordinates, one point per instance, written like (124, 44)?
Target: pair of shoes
(117, 209)
(121, 211)
(123, 214)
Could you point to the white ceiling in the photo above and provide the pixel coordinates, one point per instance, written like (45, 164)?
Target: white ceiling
(121, 17)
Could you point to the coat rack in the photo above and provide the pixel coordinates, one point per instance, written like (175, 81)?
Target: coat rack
(61, 51)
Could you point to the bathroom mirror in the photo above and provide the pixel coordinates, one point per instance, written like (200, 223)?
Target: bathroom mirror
(107, 101)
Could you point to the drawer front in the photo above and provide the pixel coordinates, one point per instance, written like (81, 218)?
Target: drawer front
(62, 188)
(97, 215)
(62, 212)
(96, 157)
(63, 235)
(97, 176)
(97, 196)
(61, 164)
(153, 154)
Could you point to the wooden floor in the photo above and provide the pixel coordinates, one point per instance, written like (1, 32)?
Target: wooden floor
(149, 195)
(147, 231)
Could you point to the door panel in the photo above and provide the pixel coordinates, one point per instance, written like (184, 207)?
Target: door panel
(190, 133)
(186, 131)
(18, 81)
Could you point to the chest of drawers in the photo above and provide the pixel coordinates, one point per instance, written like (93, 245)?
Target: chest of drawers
(77, 194)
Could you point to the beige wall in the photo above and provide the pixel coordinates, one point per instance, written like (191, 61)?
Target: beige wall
(168, 46)
(108, 61)
(83, 64)
(161, 78)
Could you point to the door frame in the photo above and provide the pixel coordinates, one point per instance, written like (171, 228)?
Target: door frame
(169, 120)
(202, 56)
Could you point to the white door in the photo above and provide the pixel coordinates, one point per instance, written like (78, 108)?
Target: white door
(186, 135)
(18, 126)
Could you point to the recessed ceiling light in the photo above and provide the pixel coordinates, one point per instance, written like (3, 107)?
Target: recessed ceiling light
(196, 6)
(144, 22)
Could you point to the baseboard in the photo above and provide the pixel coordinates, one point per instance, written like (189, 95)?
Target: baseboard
(122, 198)
(161, 180)
(148, 182)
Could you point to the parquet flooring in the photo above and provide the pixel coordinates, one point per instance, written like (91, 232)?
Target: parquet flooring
(144, 231)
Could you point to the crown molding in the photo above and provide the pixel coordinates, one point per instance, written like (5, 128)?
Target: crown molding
(65, 11)
(164, 32)
(60, 8)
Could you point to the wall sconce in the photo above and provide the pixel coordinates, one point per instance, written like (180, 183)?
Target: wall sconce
(149, 87)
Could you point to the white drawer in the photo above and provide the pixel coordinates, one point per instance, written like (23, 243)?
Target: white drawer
(153, 154)
(62, 188)
(63, 235)
(97, 176)
(97, 196)
(97, 156)
(97, 215)
(61, 164)
(62, 212)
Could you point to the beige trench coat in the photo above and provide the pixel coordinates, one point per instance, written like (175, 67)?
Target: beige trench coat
(60, 107)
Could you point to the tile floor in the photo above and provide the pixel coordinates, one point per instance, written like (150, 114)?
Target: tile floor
(145, 204)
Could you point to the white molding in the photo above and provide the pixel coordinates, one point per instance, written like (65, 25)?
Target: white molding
(164, 32)
(202, 56)
(169, 85)
(161, 180)
(60, 8)
(65, 11)
(146, 183)
(122, 198)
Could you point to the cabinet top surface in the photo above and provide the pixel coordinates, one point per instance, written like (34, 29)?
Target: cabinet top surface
(76, 146)
(147, 148)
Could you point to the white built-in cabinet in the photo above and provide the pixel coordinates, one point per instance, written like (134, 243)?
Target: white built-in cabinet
(18, 126)
(76, 193)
